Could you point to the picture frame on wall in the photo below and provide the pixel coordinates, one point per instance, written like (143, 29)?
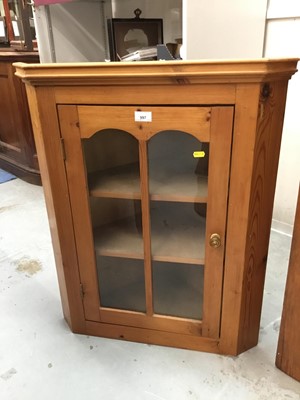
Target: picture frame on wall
(127, 35)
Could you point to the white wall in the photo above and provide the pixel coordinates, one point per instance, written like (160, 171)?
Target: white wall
(43, 34)
(236, 29)
(283, 40)
(76, 30)
(218, 29)
(283, 9)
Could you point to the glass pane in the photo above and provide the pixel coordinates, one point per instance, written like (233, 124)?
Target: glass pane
(178, 289)
(121, 283)
(178, 167)
(112, 164)
(178, 231)
(178, 171)
(117, 227)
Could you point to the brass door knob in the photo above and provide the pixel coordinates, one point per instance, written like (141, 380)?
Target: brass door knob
(215, 240)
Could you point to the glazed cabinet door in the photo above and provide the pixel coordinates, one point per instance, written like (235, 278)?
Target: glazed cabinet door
(148, 191)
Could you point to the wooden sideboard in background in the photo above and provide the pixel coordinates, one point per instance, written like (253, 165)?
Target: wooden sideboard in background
(288, 351)
(17, 147)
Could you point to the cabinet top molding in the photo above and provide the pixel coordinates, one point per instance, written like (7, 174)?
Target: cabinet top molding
(162, 72)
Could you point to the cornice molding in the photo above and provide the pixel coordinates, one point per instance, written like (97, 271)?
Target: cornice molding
(157, 72)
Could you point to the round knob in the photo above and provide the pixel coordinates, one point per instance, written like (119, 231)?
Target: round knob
(215, 240)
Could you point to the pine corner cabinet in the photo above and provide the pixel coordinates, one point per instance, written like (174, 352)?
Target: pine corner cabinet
(159, 180)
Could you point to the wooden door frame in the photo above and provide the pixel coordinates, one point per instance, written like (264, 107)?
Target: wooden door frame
(215, 127)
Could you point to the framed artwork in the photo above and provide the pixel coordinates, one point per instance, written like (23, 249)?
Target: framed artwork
(127, 35)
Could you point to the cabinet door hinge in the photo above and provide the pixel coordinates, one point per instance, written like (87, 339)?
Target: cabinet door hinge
(81, 291)
(63, 148)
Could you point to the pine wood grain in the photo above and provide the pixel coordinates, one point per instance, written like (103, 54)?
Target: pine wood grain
(144, 172)
(244, 136)
(265, 165)
(195, 120)
(59, 213)
(218, 179)
(133, 95)
(151, 336)
(288, 350)
(167, 72)
(80, 206)
(156, 322)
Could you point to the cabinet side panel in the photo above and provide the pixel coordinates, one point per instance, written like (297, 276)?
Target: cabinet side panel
(244, 133)
(47, 139)
(266, 157)
(288, 351)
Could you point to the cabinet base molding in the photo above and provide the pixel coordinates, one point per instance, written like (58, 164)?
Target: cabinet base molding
(150, 336)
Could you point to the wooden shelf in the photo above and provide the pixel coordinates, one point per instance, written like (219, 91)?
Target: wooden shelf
(176, 181)
(119, 239)
(120, 182)
(124, 182)
(175, 237)
(182, 188)
(177, 233)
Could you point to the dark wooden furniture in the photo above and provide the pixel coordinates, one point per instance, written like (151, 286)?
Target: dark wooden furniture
(18, 16)
(159, 180)
(288, 351)
(17, 147)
